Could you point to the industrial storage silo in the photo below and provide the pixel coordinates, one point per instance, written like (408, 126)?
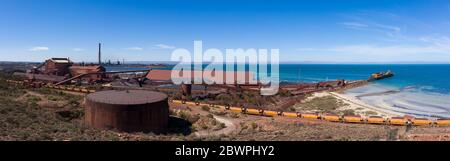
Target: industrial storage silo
(128, 110)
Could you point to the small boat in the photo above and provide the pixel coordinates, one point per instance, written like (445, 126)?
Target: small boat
(381, 75)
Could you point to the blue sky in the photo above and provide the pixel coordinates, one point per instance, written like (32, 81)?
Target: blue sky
(309, 30)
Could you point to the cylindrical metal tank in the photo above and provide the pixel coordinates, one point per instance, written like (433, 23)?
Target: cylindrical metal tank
(129, 110)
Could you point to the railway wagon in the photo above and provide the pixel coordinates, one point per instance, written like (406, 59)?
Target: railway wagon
(203, 104)
(176, 101)
(353, 119)
(191, 103)
(252, 111)
(398, 121)
(310, 116)
(84, 90)
(270, 113)
(421, 122)
(235, 109)
(376, 120)
(290, 114)
(331, 117)
(443, 122)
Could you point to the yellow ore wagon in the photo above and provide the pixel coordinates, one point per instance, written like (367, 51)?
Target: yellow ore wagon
(203, 104)
(177, 101)
(353, 119)
(235, 109)
(190, 103)
(84, 90)
(331, 117)
(290, 114)
(310, 116)
(421, 122)
(270, 113)
(443, 122)
(398, 121)
(376, 120)
(252, 111)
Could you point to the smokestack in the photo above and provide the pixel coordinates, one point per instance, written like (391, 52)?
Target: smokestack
(99, 53)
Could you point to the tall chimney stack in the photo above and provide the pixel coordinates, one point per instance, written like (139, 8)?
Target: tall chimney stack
(99, 53)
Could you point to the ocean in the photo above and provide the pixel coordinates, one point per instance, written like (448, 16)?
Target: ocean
(420, 89)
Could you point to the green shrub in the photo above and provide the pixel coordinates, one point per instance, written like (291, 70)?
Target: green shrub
(205, 108)
(222, 125)
(348, 112)
(204, 126)
(254, 125)
(370, 113)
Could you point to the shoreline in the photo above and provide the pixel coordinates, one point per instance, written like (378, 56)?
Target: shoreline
(355, 103)
(397, 102)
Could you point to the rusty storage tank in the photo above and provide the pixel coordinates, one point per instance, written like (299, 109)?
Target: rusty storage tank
(128, 110)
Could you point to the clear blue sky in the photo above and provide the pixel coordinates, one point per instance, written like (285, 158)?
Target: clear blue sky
(314, 30)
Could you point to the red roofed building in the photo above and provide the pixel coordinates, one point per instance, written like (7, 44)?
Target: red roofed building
(166, 75)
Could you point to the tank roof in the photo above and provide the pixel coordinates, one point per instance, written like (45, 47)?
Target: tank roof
(126, 97)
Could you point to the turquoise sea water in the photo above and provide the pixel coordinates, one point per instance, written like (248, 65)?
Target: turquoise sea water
(424, 77)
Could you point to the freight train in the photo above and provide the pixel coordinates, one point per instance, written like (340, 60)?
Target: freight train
(377, 120)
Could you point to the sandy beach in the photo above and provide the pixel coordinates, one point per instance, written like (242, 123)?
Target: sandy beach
(353, 103)
(390, 101)
(362, 107)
